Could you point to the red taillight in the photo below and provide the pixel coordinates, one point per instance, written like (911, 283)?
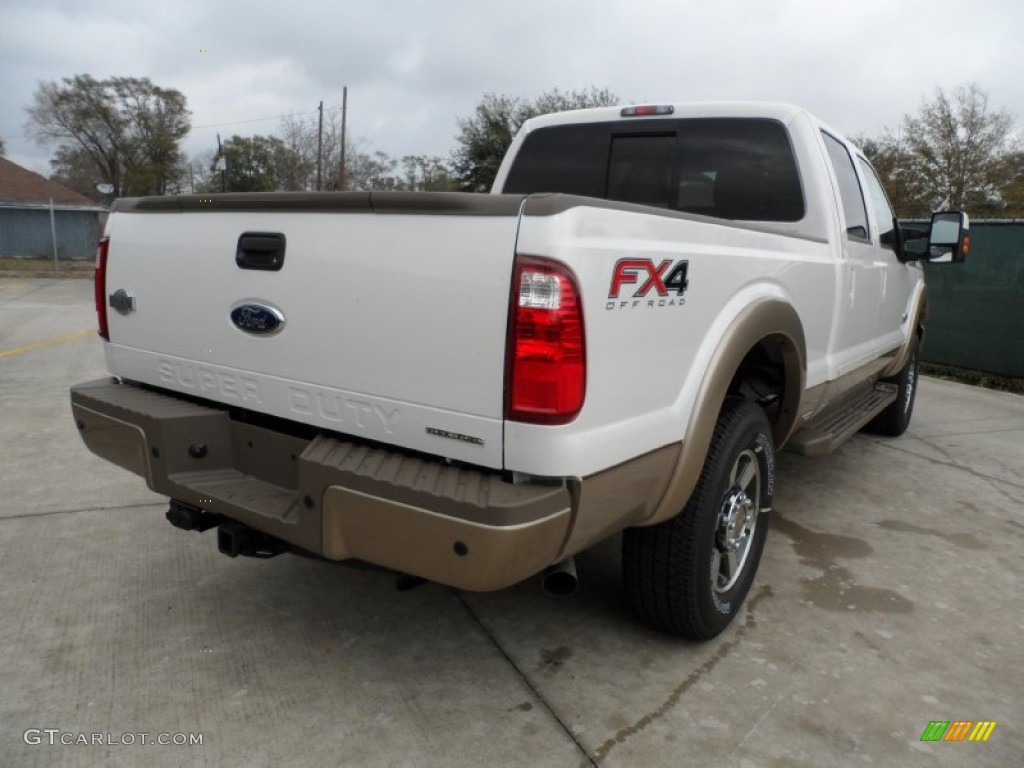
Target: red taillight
(100, 287)
(547, 364)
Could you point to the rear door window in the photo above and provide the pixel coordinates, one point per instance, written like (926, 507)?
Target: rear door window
(884, 216)
(850, 192)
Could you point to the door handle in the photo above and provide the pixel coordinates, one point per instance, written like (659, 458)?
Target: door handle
(260, 250)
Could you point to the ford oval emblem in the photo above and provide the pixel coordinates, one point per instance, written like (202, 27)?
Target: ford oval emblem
(257, 319)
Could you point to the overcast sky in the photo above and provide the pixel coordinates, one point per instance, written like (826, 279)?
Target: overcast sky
(413, 66)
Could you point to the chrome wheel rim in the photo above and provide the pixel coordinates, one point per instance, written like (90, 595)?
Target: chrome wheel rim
(737, 520)
(908, 396)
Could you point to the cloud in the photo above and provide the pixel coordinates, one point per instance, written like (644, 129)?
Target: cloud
(413, 66)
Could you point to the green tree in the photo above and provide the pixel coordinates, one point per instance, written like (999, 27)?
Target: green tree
(158, 120)
(956, 152)
(251, 164)
(484, 137)
(128, 127)
(3, 149)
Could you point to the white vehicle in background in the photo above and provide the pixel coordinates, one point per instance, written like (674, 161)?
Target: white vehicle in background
(472, 388)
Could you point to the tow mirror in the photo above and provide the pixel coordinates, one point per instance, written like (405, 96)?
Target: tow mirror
(946, 241)
(949, 239)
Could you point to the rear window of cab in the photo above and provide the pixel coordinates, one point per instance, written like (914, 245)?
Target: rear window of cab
(729, 168)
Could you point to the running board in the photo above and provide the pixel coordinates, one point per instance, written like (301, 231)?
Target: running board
(828, 431)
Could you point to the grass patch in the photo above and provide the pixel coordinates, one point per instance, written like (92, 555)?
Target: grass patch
(974, 378)
(45, 266)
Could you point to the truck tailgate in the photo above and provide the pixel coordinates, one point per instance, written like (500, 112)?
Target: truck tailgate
(394, 319)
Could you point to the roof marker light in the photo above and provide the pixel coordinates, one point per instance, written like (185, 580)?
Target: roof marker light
(647, 110)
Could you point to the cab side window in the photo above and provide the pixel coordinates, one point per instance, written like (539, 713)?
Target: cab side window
(880, 203)
(849, 191)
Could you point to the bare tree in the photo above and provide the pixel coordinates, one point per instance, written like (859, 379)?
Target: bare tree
(198, 171)
(366, 171)
(299, 135)
(366, 168)
(956, 152)
(427, 174)
(74, 168)
(958, 144)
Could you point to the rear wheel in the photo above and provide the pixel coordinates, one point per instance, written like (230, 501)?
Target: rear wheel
(689, 575)
(894, 420)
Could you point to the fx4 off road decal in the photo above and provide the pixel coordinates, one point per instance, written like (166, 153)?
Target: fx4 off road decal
(642, 283)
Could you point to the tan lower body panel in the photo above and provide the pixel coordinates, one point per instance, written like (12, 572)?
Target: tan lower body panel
(622, 496)
(420, 541)
(117, 441)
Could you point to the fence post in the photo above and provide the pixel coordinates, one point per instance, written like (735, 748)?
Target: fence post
(53, 234)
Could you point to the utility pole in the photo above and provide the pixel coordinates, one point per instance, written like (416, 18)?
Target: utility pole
(223, 165)
(344, 118)
(320, 147)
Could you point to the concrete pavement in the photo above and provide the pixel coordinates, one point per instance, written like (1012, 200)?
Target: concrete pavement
(889, 596)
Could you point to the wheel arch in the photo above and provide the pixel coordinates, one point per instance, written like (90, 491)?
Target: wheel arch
(767, 333)
(919, 311)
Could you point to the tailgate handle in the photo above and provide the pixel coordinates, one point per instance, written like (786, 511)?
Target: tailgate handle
(260, 250)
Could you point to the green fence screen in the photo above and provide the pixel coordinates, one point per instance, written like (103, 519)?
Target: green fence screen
(976, 309)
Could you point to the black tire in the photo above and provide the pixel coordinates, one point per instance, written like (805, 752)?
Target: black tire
(894, 420)
(677, 574)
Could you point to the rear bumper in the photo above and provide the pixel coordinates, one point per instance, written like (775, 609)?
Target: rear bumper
(462, 527)
(338, 499)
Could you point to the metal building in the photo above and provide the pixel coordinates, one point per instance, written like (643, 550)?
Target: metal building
(38, 216)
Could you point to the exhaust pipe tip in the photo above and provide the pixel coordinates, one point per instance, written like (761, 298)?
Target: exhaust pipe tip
(560, 579)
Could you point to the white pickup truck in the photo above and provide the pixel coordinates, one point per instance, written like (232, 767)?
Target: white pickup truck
(470, 389)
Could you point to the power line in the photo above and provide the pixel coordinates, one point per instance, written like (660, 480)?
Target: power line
(211, 125)
(254, 120)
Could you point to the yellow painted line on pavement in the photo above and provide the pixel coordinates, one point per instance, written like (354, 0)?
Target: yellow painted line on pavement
(47, 343)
